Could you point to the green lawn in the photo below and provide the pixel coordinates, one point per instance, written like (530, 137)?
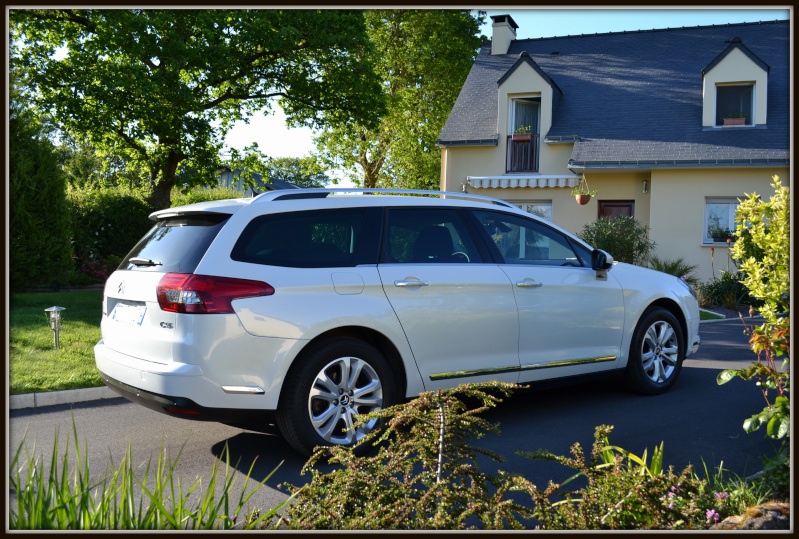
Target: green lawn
(34, 363)
(708, 315)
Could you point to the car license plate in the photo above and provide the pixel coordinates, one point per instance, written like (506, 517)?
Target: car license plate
(131, 315)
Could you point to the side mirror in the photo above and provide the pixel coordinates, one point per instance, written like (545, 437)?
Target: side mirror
(601, 260)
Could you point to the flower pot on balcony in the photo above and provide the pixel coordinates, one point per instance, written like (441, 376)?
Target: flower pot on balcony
(522, 138)
(734, 121)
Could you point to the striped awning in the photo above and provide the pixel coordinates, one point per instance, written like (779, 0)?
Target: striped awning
(509, 182)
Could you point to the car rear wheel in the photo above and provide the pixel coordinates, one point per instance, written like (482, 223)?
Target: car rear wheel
(656, 353)
(333, 383)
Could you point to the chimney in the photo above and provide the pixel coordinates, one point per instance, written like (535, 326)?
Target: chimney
(504, 31)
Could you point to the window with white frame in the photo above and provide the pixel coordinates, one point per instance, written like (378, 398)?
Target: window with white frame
(525, 115)
(540, 208)
(720, 219)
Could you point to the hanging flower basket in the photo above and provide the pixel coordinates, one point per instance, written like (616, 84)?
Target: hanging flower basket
(582, 194)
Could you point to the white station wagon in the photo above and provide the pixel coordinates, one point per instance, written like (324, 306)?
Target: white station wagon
(311, 307)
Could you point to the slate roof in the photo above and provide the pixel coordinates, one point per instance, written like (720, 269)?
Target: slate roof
(634, 99)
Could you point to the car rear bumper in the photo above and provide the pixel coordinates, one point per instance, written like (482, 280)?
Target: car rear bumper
(178, 385)
(183, 407)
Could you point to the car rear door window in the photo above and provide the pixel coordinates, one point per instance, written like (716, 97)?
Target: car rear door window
(424, 235)
(309, 239)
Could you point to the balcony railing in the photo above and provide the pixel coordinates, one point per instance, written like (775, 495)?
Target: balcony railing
(522, 157)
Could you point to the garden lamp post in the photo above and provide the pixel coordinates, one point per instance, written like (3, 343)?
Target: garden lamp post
(54, 314)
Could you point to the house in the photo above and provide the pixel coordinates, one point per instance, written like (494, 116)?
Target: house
(639, 116)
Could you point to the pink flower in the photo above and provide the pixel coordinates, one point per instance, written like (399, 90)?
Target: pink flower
(712, 515)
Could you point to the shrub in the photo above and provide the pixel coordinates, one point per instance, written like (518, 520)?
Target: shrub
(623, 237)
(107, 222)
(425, 474)
(38, 220)
(727, 291)
(763, 249)
(678, 267)
(625, 492)
(767, 277)
(776, 477)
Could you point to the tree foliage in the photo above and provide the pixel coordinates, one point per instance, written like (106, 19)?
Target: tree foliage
(307, 172)
(763, 250)
(161, 87)
(422, 58)
(301, 171)
(38, 220)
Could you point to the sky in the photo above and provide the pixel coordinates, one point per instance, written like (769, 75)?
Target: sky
(276, 140)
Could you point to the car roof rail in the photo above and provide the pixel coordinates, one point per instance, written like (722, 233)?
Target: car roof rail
(324, 192)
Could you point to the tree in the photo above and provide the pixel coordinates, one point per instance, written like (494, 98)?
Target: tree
(38, 221)
(422, 58)
(305, 172)
(162, 87)
(301, 171)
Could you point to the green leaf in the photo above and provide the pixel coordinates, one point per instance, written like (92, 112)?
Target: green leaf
(727, 375)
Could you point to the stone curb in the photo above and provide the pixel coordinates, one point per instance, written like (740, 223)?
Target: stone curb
(747, 318)
(52, 398)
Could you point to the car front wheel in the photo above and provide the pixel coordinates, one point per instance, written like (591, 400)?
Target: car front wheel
(656, 353)
(334, 383)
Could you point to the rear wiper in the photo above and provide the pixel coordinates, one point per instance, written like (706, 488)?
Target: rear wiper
(138, 261)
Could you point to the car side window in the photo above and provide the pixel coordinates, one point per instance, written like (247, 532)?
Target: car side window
(427, 235)
(526, 241)
(312, 239)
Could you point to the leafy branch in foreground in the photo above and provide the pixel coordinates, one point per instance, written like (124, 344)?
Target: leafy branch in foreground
(425, 474)
(763, 249)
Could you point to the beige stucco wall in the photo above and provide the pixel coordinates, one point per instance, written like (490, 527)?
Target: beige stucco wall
(677, 213)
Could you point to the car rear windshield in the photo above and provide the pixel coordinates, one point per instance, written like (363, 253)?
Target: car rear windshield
(176, 244)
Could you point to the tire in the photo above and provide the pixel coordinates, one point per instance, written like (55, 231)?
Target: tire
(321, 397)
(657, 352)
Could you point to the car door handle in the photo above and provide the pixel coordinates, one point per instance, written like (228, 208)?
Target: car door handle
(529, 283)
(411, 282)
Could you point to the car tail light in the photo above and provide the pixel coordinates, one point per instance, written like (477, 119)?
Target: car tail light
(203, 294)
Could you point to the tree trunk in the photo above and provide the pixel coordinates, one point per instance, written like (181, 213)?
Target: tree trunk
(161, 196)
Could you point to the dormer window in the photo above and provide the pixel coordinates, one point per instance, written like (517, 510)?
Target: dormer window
(734, 104)
(735, 86)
